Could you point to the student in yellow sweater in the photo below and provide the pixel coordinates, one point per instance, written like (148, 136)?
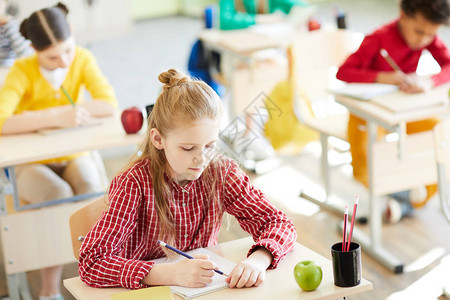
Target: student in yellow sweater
(33, 98)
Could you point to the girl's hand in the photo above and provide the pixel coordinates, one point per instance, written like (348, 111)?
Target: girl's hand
(251, 271)
(396, 78)
(69, 116)
(196, 272)
(416, 84)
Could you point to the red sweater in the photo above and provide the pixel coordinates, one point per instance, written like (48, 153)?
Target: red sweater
(366, 62)
(118, 250)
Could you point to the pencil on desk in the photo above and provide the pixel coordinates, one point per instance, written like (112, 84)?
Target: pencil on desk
(68, 96)
(389, 60)
(186, 255)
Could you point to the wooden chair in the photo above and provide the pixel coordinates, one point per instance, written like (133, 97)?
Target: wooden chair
(316, 56)
(442, 152)
(82, 220)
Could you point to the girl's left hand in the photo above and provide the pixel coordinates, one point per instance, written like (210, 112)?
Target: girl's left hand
(251, 271)
(416, 84)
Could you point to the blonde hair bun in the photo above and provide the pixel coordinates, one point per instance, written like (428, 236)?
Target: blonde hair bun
(173, 77)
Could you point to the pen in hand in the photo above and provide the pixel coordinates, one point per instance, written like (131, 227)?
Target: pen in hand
(389, 60)
(394, 66)
(186, 255)
(68, 96)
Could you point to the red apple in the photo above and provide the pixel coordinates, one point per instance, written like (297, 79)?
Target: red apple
(313, 24)
(132, 119)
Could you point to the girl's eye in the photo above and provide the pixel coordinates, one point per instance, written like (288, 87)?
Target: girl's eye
(187, 149)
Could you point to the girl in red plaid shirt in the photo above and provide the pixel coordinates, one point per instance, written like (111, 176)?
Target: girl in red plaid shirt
(177, 191)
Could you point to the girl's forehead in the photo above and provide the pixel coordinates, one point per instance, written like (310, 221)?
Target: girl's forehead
(196, 129)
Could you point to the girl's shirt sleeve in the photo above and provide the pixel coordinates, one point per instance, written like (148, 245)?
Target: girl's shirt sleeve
(100, 263)
(16, 85)
(442, 56)
(356, 67)
(96, 83)
(269, 227)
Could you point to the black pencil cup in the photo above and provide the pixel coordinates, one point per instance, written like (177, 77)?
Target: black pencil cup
(346, 265)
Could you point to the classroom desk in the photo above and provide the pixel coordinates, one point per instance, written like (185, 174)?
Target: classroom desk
(26, 148)
(242, 46)
(394, 166)
(279, 283)
(23, 233)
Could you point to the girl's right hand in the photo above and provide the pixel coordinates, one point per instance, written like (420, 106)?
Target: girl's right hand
(69, 116)
(196, 272)
(396, 78)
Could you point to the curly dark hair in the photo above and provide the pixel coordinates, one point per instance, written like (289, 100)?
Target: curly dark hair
(435, 11)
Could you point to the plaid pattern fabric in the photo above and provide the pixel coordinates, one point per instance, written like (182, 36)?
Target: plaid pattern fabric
(117, 250)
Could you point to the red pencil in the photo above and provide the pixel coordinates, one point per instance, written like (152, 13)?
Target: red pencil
(344, 234)
(355, 206)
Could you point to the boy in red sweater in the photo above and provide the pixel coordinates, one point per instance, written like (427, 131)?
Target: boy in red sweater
(404, 39)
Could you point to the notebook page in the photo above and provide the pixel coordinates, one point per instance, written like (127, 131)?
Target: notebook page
(404, 102)
(364, 91)
(218, 282)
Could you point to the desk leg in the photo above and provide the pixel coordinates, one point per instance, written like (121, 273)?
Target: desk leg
(325, 173)
(374, 205)
(325, 167)
(228, 68)
(373, 245)
(4, 184)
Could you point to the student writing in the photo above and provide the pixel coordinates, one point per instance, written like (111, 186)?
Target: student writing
(178, 191)
(404, 39)
(32, 99)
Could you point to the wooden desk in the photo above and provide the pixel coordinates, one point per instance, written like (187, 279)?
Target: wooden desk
(25, 148)
(393, 166)
(24, 233)
(279, 283)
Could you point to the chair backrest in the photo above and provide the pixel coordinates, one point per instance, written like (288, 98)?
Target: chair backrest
(82, 220)
(442, 152)
(317, 55)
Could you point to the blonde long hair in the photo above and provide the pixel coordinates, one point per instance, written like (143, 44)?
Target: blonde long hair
(182, 100)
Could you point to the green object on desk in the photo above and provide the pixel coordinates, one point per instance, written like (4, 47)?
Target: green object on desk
(68, 96)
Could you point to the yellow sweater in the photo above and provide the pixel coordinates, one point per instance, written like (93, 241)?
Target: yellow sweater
(26, 89)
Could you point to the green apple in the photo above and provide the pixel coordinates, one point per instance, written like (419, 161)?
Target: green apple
(308, 275)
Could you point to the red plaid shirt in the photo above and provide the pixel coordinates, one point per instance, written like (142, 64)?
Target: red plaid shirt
(117, 250)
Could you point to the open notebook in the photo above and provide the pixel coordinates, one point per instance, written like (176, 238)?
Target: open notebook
(218, 282)
(401, 102)
(364, 91)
